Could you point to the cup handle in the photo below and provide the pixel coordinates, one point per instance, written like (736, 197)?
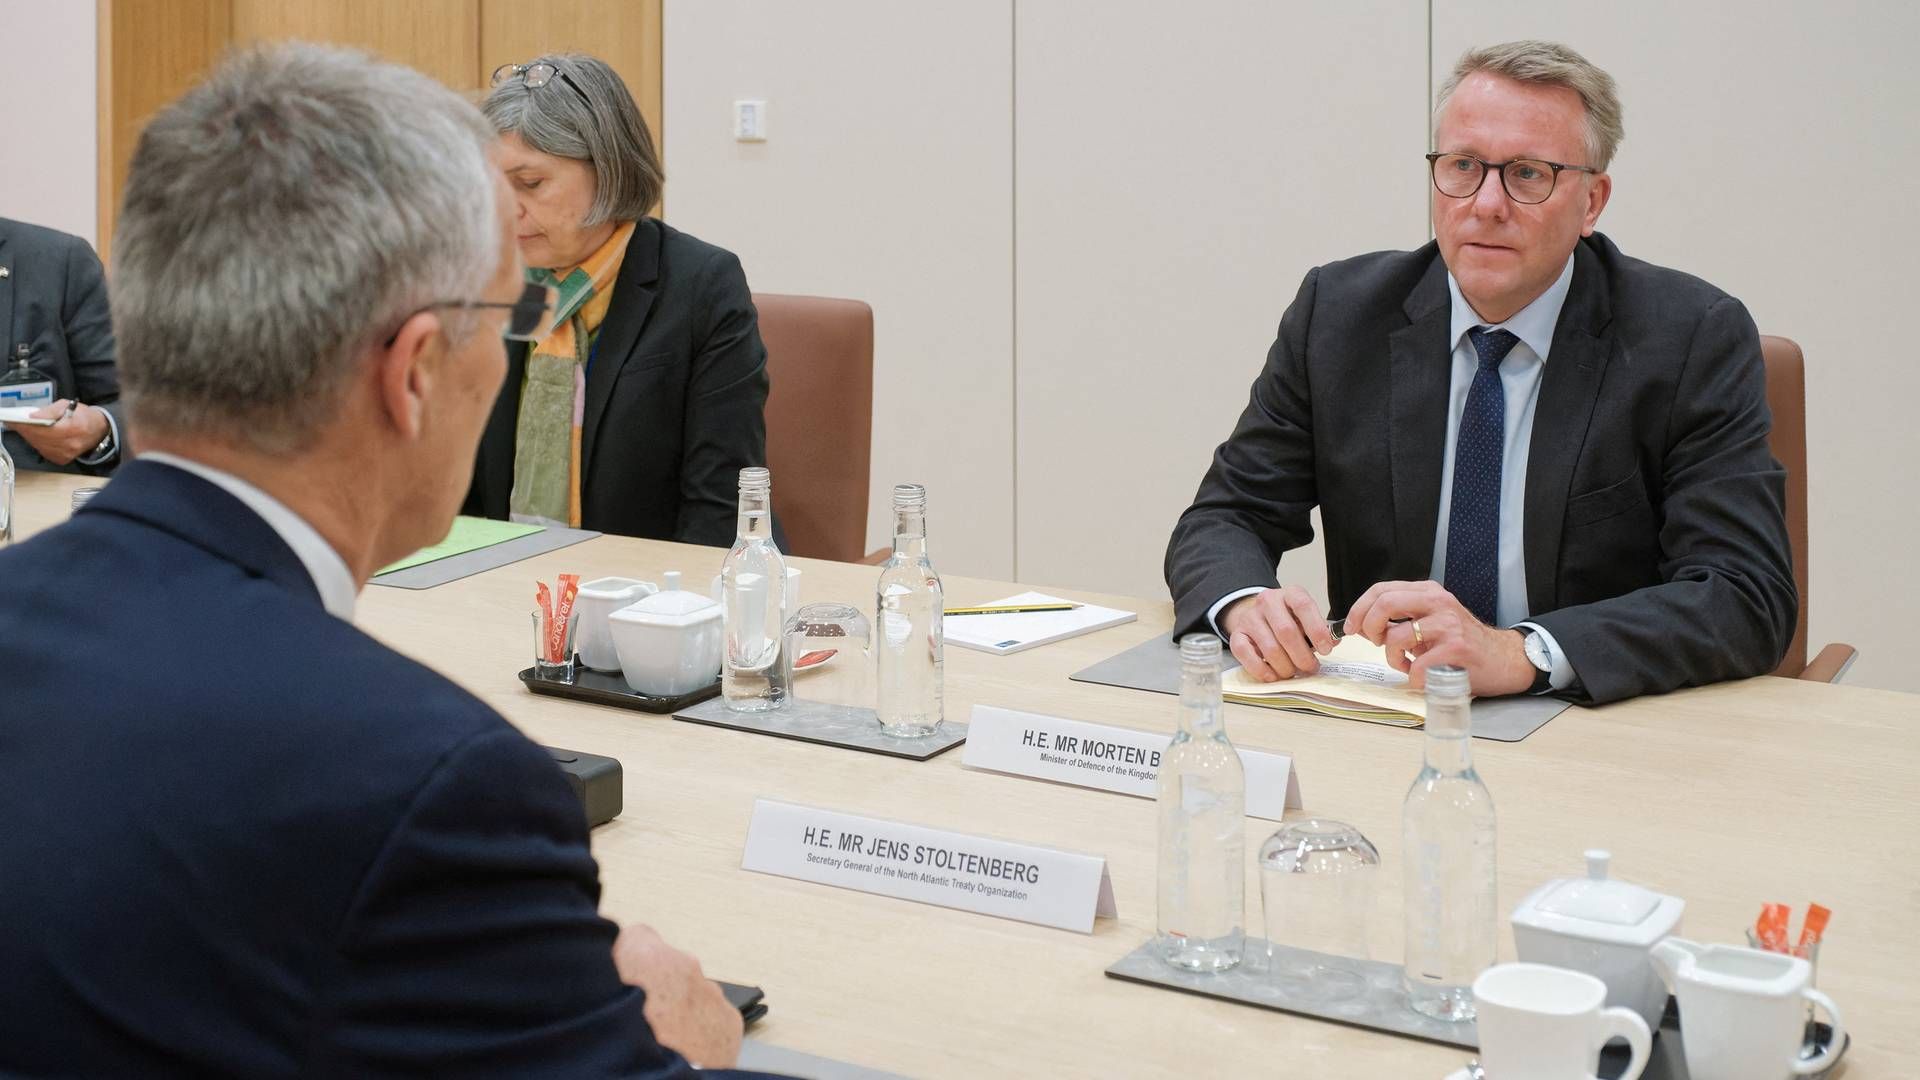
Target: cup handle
(1617, 1022)
(1834, 1045)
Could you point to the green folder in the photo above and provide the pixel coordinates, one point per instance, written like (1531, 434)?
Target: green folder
(469, 534)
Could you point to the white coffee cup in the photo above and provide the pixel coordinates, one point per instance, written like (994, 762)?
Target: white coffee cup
(790, 595)
(1546, 1023)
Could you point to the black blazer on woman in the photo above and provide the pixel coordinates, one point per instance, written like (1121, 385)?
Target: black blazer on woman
(674, 399)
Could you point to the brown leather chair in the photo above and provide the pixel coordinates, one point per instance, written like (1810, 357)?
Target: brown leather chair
(1787, 399)
(819, 420)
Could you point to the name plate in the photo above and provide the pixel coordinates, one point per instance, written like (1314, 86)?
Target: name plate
(1109, 758)
(1063, 889)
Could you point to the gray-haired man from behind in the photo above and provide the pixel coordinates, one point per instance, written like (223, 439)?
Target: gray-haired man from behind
(262, 843)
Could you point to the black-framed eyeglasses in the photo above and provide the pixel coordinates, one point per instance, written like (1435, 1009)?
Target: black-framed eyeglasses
(527, 319)
(538, 75)
(1526, 180)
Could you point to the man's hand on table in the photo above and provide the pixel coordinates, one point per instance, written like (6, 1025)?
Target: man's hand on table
(1275, 634)
(1421, 625)
(1280, 633)
(71, 437)
(687, 1011)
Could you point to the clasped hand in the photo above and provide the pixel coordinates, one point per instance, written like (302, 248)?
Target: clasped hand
(1280, 633)
(69, 437)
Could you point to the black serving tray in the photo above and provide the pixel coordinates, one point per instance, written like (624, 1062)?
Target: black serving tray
(610, 688)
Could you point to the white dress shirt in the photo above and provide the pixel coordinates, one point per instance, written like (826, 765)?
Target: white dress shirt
(328, 570)
(1520, 376)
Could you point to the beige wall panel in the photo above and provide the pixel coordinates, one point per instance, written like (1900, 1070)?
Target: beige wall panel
(440, 37)
(49, 146)
(1772, 149)
(887, 178)
(624, 33)
(152, 51)
(1178, 174)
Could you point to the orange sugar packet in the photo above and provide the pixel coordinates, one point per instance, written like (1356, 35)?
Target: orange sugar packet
(562, 612)
(554, 613)
(1771, 928)
(1814, 927)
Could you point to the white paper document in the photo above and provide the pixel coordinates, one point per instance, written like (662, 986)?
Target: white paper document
(1108, 758)
(1063, 889)
(23, 414)
(1012, 632)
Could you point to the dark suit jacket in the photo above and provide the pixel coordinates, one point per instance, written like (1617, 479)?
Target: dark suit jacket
(1656, 544)
(675, 399)
(54, 301)
(243, 838)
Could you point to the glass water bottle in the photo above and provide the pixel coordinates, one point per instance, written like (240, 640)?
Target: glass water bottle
(908, 640)
(6, 496)
(753, 584)
(1203, 797)
(1448, 832)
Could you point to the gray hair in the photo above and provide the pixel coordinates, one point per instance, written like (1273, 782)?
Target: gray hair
(605, 128)
(1547, 63)
(279, 219)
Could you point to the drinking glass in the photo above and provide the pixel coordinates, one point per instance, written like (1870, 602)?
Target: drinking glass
(829, 646)
(544, 667)
(1317, 881)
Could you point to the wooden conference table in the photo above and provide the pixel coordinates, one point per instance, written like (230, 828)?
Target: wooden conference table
(1728, 796)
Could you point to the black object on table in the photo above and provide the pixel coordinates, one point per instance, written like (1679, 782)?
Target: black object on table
(750, 1000)
(594, 779)
(610, 688)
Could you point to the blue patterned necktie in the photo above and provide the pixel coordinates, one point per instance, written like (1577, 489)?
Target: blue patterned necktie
(1473, 518)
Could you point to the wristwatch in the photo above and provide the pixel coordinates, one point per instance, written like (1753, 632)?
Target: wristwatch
(102, 449)
(1536, 649)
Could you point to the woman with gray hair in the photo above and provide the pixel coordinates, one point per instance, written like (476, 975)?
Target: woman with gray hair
(636, 411)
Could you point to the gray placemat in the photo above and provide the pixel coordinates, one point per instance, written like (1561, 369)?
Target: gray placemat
(761, 1057)
(467, 564)
(851, 728)
(1380, 1002)
(1154, 665)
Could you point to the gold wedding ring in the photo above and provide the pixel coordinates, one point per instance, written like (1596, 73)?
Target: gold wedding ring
(1418, 641)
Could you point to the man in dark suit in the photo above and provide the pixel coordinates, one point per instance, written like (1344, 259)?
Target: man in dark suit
(241, 837)
(1534, 457)
(58, 354)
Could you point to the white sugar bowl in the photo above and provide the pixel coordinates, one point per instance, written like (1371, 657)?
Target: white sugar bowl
(1604, 927)
(669, 643)
(597, 600)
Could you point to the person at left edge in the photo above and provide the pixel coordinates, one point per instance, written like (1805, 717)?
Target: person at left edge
(53, 308)
(634, 413)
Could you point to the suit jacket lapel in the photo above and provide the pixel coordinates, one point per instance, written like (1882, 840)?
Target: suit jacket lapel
(1422, 369)
(1569, 388)
(495, 466)
(178, 502)
(633, 293)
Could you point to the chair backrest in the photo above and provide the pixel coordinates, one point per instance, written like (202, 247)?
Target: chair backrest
(819, 420)
(1787, 400)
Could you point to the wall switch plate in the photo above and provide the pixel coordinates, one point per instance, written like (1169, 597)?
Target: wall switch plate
(750, 121)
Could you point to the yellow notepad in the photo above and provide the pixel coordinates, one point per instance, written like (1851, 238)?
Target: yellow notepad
(1354, 683)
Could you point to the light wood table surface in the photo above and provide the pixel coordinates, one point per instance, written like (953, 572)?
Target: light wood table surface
(1728, 796)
